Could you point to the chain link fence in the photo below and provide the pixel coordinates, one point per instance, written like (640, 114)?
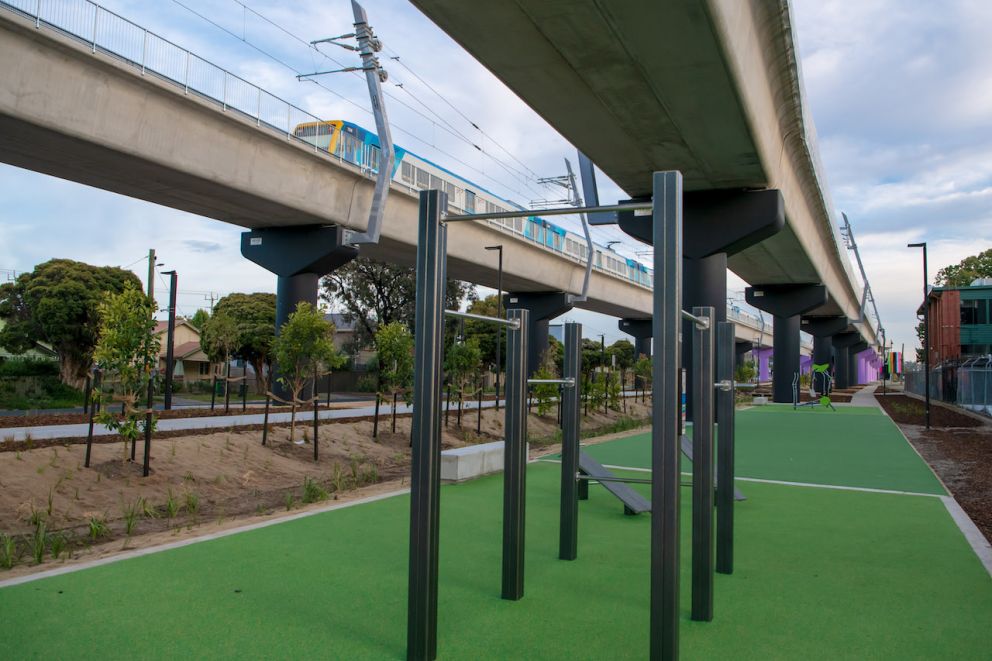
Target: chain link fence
(967, 384)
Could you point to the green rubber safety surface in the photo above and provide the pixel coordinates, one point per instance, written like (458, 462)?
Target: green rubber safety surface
(857, 447)
(819, 574)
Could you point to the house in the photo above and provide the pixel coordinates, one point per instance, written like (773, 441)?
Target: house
(40, 351)
(345, 332)
(960, 321)
(191, 363)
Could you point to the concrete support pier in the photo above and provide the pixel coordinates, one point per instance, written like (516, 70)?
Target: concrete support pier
(786, 303)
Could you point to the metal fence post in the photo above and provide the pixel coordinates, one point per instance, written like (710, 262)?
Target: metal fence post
(425, 482)
(666, 415)
(144, 52)
(725, 450)
(515, 456)
(186, 82)
(37, 15)
(569, 397)
(96, 15)
(258, 109)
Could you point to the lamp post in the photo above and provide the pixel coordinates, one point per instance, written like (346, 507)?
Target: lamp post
(926, 333)
(499, 313)
(170, 338)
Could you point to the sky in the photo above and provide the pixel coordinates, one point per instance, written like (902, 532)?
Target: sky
(899, 92)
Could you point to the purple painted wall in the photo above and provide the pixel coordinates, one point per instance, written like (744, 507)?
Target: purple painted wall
(763, 357)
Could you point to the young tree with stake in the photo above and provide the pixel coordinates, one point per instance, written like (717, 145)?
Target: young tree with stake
(303, 349)
(127, 348)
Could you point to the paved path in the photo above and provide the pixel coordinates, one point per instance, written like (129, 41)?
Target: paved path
(865, 397)
(221, 421)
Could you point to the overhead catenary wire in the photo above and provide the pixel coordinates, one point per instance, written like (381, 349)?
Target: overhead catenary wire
(432, 144)
(243, 38)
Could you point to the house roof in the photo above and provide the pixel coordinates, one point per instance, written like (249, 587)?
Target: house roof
(186, 349)
(163, 326)
(343, 322)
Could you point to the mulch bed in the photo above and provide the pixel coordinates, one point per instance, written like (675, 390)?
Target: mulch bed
(959, 449)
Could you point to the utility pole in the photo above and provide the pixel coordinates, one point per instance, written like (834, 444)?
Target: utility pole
(170, 338)
(151, 274)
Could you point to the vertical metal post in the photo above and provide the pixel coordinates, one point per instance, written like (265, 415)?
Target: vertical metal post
(666, 415)
(227, 389)
(89, 433)
(87, 392)
(170, 340)
(425, 483)
(186, 83)
(702, 467)
(148, 429)
(213, 392)
(568, 528)
(258, 109)
(96, 15)
(515, 456)
(37, 15)
(375, 416)
(316, 425)
(265, 420)
(395, 398)
(725, 450)
(144, 50)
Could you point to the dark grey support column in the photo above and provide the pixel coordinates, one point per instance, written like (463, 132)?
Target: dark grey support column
(299, 256)
(702, 467)
(741, 347)
(666, 413)
(842, 343)
(425, 469)
(725, 450)
(570, 418)
(640, 330)
(705, 285)
(717, 224)
(823, 329)
(543, 307)
(786, 303)
(515, 456)
(785, 353)
(854, 378)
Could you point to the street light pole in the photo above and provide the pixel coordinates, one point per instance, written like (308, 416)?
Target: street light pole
(499, 313)
(170, 338)
(926, 333)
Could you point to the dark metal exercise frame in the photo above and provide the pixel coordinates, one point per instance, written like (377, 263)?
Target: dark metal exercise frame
(426, 435)
(667, 315)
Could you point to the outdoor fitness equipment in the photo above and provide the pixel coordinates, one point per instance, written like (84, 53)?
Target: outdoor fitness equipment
(815, 400)
(666, 237)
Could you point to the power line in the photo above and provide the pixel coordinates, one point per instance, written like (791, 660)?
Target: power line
(312, 48)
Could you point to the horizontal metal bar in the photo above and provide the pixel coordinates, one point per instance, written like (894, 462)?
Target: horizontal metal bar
(512, 323)
(568, 383)
(700, 322)
(561, 211)
(614, 478)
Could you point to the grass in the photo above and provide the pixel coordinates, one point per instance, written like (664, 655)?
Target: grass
(8, 550)
(98, 527)
(312, 491)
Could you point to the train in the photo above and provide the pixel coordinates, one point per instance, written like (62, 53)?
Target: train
(359, 146)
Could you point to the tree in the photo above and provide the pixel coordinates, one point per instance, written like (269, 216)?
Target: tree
(58, 303)
(545, 393)
(255, 317)
(304, 349)
(462, 360)
(642, 370)
(127, 348)
(375, 293)
(394, 344)
(484, 332)
(625, 353)
(219, 338)
(966, 271)
(199, 318)
(592, 354)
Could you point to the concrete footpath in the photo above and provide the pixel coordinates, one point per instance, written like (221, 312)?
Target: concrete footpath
(225, 421)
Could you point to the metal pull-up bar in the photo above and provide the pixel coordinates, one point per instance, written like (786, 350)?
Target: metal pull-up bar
(558, 211)
(512, 323)
(702, 323)
(568, 383)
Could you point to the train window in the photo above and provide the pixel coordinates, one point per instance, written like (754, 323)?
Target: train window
(374, 157)
(449, 188)
(423, 179)
(406, 172)
(469, 201)
(435, 183)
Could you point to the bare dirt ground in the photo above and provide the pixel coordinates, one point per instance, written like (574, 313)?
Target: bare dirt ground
(958, 447)
(207, 482)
